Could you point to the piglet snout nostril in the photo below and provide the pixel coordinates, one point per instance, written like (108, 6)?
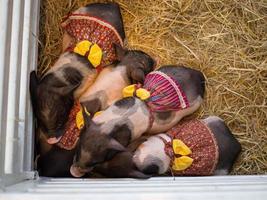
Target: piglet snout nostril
(151, 169)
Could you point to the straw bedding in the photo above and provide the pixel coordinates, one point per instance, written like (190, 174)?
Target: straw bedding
(225, 39)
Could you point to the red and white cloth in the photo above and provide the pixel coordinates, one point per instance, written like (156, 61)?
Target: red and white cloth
(71, 135)
(201, 141)
(85, 27)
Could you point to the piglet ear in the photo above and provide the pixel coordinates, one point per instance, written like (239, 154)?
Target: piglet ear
(33, 83)
(115, 145)
(33, 89)
(65, 90)
(138, 174)
(137, 75)
(120, 52)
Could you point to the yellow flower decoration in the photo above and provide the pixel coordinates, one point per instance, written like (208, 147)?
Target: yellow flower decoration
(82, 47)
(80, 119)
(180, 148)
(95, 52)
(182, 163)
(98, 113)
(141, 93)
(128, 91)
(95, 55)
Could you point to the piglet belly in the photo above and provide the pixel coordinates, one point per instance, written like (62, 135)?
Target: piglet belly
(114, 89)
(115, 94)
(109, 83)
(162, 125)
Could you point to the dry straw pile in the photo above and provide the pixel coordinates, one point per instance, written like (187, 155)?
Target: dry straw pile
(225, 39)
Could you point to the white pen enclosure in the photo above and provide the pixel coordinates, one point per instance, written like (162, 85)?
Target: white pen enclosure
(19, 20)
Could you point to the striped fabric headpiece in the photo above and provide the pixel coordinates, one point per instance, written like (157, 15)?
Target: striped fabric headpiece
(165, 93)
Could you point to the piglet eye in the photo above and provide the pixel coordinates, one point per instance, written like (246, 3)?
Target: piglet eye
(92, 163)
(110, 154)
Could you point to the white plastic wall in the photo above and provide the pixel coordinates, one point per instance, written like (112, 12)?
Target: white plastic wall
(158, 188)
(19, 21)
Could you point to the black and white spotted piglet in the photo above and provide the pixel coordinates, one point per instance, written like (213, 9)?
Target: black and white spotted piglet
(213, 148)
(133, 66)
(129, 118)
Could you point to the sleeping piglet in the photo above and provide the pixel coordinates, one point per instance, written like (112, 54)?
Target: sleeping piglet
(134, 65)
(122, 165)
(171, 92)
(89, 37)
(193, 147)
(107, 89)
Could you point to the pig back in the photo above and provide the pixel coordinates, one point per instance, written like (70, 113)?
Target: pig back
(228, 145)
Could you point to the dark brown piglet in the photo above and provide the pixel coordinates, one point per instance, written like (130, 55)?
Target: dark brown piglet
(52, 161)
(121, 165)
(193, 147)
(130, 117)
(53, 95)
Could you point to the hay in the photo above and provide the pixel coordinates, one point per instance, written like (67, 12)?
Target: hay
(226, 40)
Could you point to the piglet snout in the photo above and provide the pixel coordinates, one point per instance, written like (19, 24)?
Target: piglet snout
(76, 172)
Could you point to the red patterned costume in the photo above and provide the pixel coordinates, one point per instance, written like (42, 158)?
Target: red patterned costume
(199, 138)
(71, 136)
(85, 27)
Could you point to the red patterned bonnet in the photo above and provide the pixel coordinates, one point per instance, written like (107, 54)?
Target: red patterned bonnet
(199, 138)
(85, 27)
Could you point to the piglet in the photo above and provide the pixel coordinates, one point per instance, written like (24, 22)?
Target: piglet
(193, 147)
(121, 165)
(52, 161)
(107, 89)
(89, 37)
(175, 91)
(134, 65)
